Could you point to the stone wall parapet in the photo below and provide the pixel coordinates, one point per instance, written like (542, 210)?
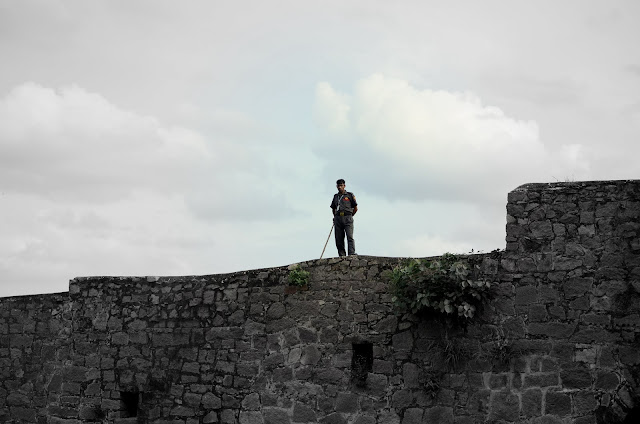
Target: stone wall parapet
(556, 342)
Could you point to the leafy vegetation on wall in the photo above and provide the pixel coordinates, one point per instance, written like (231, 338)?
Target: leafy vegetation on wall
(443, 286)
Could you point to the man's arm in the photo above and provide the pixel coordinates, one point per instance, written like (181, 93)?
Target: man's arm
(354, 203)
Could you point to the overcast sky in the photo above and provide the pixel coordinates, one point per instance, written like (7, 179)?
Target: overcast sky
(202, 137)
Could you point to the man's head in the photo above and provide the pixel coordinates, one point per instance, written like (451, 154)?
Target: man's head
(341, 185)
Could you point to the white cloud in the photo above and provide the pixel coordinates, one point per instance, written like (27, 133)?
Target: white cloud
(331, 109)
(426, 245)
(74, 143)
(88, 188)
(205, 112)
(437, 144)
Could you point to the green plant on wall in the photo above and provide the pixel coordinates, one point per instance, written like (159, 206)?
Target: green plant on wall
(500, 349)
(443, 286)
(431, 383)
(298, 277)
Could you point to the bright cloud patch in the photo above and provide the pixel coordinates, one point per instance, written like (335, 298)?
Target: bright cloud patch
(71, 142)
(89, 188)
(433, 144)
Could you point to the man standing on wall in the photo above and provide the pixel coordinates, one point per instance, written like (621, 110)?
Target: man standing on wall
(344, 207)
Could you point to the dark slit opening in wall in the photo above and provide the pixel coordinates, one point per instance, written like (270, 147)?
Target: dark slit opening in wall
(361, 363)
(633, 416)
(129, 404)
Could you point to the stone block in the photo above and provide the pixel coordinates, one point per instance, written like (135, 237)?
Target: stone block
(514, 327)
(346, 402)
(329, 335)
(438, 414)
(251, 417)
(526, 265)
(18, 399)
(20, 341)
(504, 306)
(76, 374)
(578, 377)
(587, 230)
(329, 376)
(225, 367)
(606, 380)
(547, 419)
(479, 402)
(541, 379)
(413, 416)
(402, 341)
(376, 384)
(584, 402)
(517, 196)
(541, 229)
(497, 381)
(606, 359)
(307, 335)
(382, 367)
(211, 401)
(628, 321)
(504, 406)
(526, 295)
(597, 319)
(169, 339)
(247, 370)
(191, 367)
(557, 312)
(410, 374)
(283, 374)
(554, 330)
(92, 389)
(251, 402)
(387, 325)
(211, 417)
(280, 325)
(557, 403)
(577, 286)
(21, 414)
(333, 418)
(182, 411)
(531, 403)
(252, 328)
(548, 294)
(594, 334)
(388, 417)
(276, 311)
(581, 304)
(230, 400)
(227, 416)
(192, 399)
(303, 413)
(566, 264)
(589, 419)
(402, 399)
(364, 419)
(537, 313)
(88, 412)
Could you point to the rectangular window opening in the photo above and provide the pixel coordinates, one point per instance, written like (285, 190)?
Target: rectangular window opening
(361, 363)
(129, 404)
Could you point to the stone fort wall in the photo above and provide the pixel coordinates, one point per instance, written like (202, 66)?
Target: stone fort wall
(558, 341)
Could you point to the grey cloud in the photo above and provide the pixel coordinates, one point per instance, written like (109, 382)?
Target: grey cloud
(634, 69)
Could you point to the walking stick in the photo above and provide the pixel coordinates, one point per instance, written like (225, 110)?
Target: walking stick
(325, 245)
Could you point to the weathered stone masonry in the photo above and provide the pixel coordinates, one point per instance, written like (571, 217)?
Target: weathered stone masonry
(557, 343)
